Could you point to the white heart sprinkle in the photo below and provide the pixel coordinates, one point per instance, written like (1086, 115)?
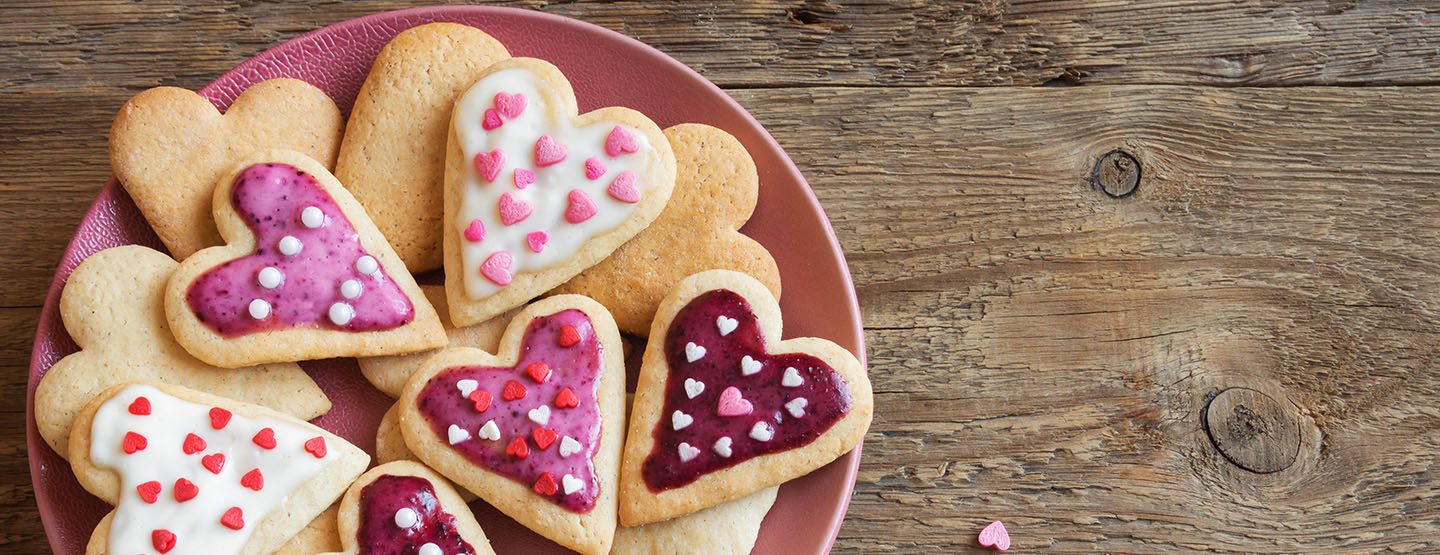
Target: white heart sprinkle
(341, 313)
(458, 434)
(680, 420)
(259, 309)
(270, 277)
(791, 378)
(490, 431)
(406, 517)
(540, 415)
(796, 407)
(571, 484)
(694, 387)
(761, 432)
(726, 325)
(749, 366)
(687, 452)
(693, 352)
(568, 446)
(467, 387)
(290, 246)
(312, 217)
(351, 289)
(431, 549)
(367, 265)
(722, 447)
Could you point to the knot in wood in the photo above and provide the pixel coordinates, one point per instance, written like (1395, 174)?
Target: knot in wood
(1117, 173)
(1253, 430)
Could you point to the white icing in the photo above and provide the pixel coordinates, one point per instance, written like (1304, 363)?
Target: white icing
(694, 387)
(722, 446)
(259, 309)
(290, 246)
(490, 431)
(540, 415)
(457, 434)
(351, 289)
(196, 522)
(796, 407)
(406, 517)
(516, 137)
(791, 378)
(571, 484)
(367, 265)
(270, 277)
(693, 352)
(761, 432)
(568, 446)
(725, 325)
(431, 549)
(312, 217)
(341, 313)
(687, 452)
(466, 387)
(749, 366)
(680, 420)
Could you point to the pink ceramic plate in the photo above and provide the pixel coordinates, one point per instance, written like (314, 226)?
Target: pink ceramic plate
(606, 68)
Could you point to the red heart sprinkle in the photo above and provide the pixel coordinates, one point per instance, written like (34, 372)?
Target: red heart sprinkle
(133, 442)
(566, 399)
(193, 444)
(219, 418)
(538, 371)
(546, 484)
(265, 438)
(149, 491)
(543, 437)
(213, 462)
(518, 448)
(482, 399)
(512, 391)
(233, 518)
(185, 490)
(140, 406)
(253, 479)
(163, 540)
(569, 336)
(316, 446)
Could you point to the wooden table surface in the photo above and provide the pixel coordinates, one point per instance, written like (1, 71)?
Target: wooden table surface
(1135, 276)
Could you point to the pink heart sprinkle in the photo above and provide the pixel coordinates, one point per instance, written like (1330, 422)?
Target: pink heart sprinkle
(594, 168)
(523, 178)
(620, 142)
(491, 120)
(548, 152)
(581, 207)
(475, 232)
(537, 240)
(488, 164)
(510, 105)
(513, 209)
(623, 188)
(496, 268)
(732, 404)
(995, 536)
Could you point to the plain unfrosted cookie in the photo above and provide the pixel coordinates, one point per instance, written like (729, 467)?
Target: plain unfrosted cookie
(389, 373)
(724, 408)
(402, 506)
(716, 188)
(113, 306)
(188, 470)
(535, 430)
(729, 528)
(534, 194)
(168, 146)
(393, 157)
(303, 275)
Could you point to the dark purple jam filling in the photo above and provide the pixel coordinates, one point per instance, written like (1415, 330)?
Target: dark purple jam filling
(827, 398)
(380, 534)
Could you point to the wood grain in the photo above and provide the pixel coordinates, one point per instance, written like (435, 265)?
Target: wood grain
(1041, 352)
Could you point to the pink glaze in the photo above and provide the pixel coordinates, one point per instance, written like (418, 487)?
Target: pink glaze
(270, 198)
(379, 534)
(576, 367)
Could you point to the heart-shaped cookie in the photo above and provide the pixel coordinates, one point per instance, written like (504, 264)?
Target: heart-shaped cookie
(404, 507)
(113, 305)
(304, 274)
(193, 472)
(708, 425)
(535, 431)
(168, 146)
(534, 193)
(393, 157)
(716, 187)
